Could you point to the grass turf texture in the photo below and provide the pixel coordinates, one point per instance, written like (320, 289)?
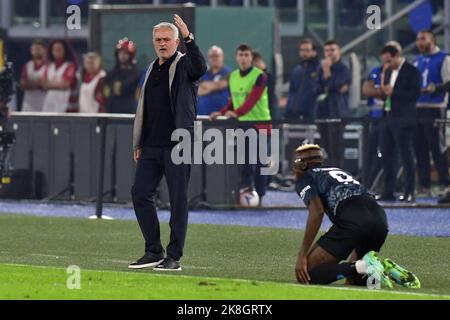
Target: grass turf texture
(214, 257)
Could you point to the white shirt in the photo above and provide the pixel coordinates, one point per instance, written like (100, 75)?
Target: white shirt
(33, 99)
(56, 100)
(87, 100)
(394, 74)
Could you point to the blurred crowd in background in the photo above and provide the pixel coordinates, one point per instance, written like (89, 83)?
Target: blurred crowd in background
(404, 97)
(55, 81)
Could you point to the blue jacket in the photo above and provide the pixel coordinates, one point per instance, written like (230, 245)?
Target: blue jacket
(302, 91)
(216, 100)
(335, 104)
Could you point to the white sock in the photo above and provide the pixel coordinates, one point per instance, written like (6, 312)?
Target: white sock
(361, 267)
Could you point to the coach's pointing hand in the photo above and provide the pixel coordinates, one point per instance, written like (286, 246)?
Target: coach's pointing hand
(181, 25)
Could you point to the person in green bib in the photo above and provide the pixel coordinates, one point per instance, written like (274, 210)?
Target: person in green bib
(249, 101)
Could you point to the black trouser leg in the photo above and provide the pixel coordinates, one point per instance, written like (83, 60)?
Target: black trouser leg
(177, 176)
(324, 141)
(149, 172)
(422, 152)
(336, 142)
(332, 139)
(404, 137)
(387, 145)
(438, 146)
(374, 143)
(248, 173)
(261, 180)
(329, 273)
(248, 169)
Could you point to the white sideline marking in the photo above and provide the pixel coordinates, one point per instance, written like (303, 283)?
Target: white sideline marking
(46, 255)
(248, 280)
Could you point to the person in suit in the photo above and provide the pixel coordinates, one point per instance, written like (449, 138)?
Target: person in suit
(401, 87)
(168, 101)
(372, 90)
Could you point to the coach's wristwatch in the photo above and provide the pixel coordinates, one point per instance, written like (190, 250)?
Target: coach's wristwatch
(189, 38)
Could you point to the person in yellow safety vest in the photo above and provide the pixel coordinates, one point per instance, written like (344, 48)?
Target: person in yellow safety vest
(249, 102)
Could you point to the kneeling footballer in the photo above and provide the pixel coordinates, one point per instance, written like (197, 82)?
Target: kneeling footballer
(359, 228)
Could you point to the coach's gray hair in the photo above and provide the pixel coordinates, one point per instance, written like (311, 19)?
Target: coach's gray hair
(166, 25)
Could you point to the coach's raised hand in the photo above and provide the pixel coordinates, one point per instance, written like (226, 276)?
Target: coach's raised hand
(182, 26)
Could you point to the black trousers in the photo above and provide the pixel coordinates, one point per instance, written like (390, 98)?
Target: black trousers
(332, 138)
(360, 225)
(154, 163)
(397, 134)
(374, 164)
(251, 173)
(431, 138)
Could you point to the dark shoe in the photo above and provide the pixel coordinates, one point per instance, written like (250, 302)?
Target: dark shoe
(168, 264)
(385, 197)
(407, 197)
(147, 261)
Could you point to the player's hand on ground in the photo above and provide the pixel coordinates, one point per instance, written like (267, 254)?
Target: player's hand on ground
(137, 155)
(181, 25)
(301, 270)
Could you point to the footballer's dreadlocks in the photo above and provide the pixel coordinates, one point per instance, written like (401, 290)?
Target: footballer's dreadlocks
(307, 156)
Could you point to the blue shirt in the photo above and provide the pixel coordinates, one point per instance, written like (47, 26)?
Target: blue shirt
(216, 100)
(331, 185)
(375, 105)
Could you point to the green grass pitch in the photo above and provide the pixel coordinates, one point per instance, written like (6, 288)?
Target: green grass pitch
(221, 262)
